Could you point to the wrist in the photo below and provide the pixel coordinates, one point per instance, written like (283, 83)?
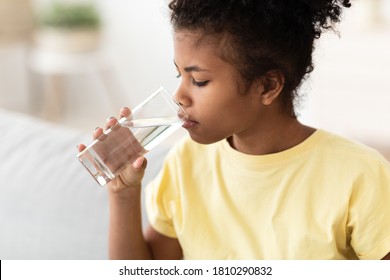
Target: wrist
(124, 192)
(123, 189)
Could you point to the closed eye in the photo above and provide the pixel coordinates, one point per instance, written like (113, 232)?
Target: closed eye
(200, 83)
(195, 82)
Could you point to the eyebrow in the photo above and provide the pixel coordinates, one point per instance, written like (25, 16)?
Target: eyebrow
(192, 68)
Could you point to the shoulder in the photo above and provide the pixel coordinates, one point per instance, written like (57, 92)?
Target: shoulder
(348, 147)
(350, 154)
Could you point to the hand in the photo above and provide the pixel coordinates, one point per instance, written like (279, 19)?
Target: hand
(132, 175)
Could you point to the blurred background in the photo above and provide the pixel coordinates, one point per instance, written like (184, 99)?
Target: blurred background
(76, 62)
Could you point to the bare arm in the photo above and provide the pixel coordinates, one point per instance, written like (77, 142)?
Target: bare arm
(126, 239)
(163, 247)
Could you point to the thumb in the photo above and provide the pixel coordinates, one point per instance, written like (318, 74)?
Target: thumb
(132, 175)
(140, 163)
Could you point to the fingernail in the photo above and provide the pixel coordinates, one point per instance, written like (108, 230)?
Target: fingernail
(77, 146)
(96, 128)
(138, 162)
(109, 119)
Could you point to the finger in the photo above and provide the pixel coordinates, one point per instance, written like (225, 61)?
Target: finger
(124, 112)
(110, 122)
(81, 147)
(98, 131)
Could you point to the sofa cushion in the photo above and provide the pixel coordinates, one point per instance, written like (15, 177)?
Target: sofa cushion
(50, 208)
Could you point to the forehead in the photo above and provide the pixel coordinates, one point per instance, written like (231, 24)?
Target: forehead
(190, 47)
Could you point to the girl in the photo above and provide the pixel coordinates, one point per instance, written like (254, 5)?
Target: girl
(251, 181)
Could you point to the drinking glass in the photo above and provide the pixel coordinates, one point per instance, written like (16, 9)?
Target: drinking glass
(151, 122)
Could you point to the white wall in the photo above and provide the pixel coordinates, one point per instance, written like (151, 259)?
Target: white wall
(348, 92)
(139, 41)
(13, 78)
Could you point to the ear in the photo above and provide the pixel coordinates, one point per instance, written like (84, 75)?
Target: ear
(270, 86)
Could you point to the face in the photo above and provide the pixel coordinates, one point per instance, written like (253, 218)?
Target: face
(211, 91)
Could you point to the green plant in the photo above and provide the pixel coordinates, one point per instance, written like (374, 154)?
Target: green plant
(70, 16)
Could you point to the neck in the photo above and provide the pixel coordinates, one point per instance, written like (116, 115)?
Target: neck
(276, 135)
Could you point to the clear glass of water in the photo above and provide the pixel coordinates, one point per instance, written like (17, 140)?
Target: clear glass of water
(150, 123)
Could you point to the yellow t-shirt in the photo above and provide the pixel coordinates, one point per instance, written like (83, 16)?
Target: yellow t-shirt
(326, 198)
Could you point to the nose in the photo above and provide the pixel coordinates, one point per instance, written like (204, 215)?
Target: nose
(181, 95)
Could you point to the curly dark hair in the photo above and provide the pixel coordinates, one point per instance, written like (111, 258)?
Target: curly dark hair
(263, 35)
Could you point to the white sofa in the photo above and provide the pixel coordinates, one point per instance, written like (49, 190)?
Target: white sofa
(50, 207)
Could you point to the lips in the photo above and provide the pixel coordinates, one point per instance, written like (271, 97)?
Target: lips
(188, 123)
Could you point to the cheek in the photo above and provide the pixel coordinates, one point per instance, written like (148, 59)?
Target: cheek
(238, 108)
(229, 117)
(220, 121)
